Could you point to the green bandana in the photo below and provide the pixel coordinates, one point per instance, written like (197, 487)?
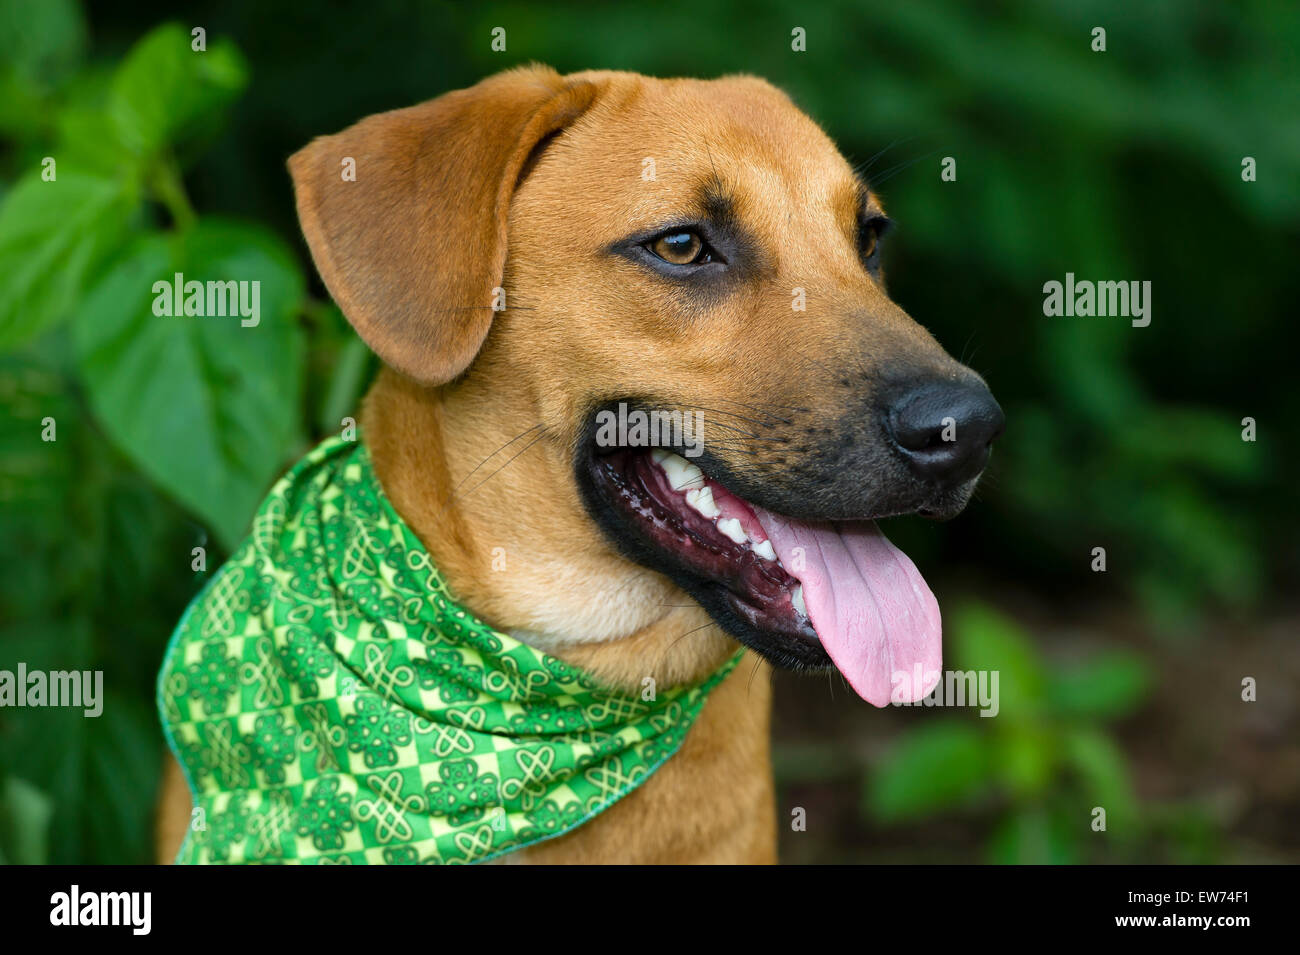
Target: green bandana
(330, 702)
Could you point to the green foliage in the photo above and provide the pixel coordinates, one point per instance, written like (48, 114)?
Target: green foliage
(226, 393)
(24, 823)
(52, 240)
(154, 414)
(941, 766)
(1108, 686)
(1041, 760)
(40, 45)
(163, 96)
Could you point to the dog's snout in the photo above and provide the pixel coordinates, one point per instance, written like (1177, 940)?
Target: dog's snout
(944, 429)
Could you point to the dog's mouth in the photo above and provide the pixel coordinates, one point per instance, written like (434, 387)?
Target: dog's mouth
(804, 594)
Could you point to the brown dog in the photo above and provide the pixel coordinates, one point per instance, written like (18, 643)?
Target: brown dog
(667, 245)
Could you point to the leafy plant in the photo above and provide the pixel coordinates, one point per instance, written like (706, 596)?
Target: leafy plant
(151, 414)
(24, 823)
(1042, 761)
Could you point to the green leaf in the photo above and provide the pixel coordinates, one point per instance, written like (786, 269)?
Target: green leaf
(40, 485)
(41, 42)
(206, 407)
(24, 823)
(1032, 837)
(101, 770)
(1100, 767)
(984, 639)
(1108, 686)
(105, 770)
(54, 236)
(932, 768)
(89, 141)
(1025, 757)
(351, 372)
(165, 92)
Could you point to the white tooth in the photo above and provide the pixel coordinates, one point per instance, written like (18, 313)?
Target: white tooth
(797, 599)
(659, 454)
(731, 527)
(702, 500)
(681, 473)
(764, 550)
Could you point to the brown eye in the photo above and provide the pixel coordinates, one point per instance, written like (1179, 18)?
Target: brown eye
(680, 248)
(869, 240)
(870, 230)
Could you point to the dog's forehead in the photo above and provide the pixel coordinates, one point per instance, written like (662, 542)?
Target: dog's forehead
(737, 132)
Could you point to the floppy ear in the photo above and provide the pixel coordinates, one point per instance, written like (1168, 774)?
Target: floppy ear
(413, 248)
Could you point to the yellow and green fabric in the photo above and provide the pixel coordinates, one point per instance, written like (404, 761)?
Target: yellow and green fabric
(330, 702)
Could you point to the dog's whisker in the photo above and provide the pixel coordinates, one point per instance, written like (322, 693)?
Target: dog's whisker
(733, 450)
(758, 409)
(729, 427)
(861, 168)
(731, 414)
(901, 167)
(492, 455)
(743, 440)
(889, 171)
(513, 457)
(732, 446)
(708, 152)
(813, 361)
(669, 648)
(749, 684)
(761, 425)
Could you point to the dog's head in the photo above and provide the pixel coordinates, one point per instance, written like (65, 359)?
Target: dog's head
(678, 284)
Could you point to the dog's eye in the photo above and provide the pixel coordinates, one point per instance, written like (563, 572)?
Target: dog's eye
(869, 242)
(870, 231)
(681, 248)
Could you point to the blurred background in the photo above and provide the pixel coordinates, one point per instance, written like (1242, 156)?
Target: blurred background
(1120, 688)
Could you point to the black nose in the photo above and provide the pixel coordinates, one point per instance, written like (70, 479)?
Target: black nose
(944, 429)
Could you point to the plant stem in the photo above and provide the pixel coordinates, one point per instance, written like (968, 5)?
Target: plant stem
(170, 191)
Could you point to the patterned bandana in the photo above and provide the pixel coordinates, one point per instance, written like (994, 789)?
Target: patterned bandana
(330, 702)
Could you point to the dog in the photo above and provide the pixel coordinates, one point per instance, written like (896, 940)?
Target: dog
(538, 252)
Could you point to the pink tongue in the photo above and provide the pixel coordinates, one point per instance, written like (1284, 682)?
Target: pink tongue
(870, 606)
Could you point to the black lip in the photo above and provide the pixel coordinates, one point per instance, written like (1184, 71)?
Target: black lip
(801, 491)
(598, 476)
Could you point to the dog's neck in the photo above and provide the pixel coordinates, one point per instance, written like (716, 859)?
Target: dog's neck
(504, 524)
